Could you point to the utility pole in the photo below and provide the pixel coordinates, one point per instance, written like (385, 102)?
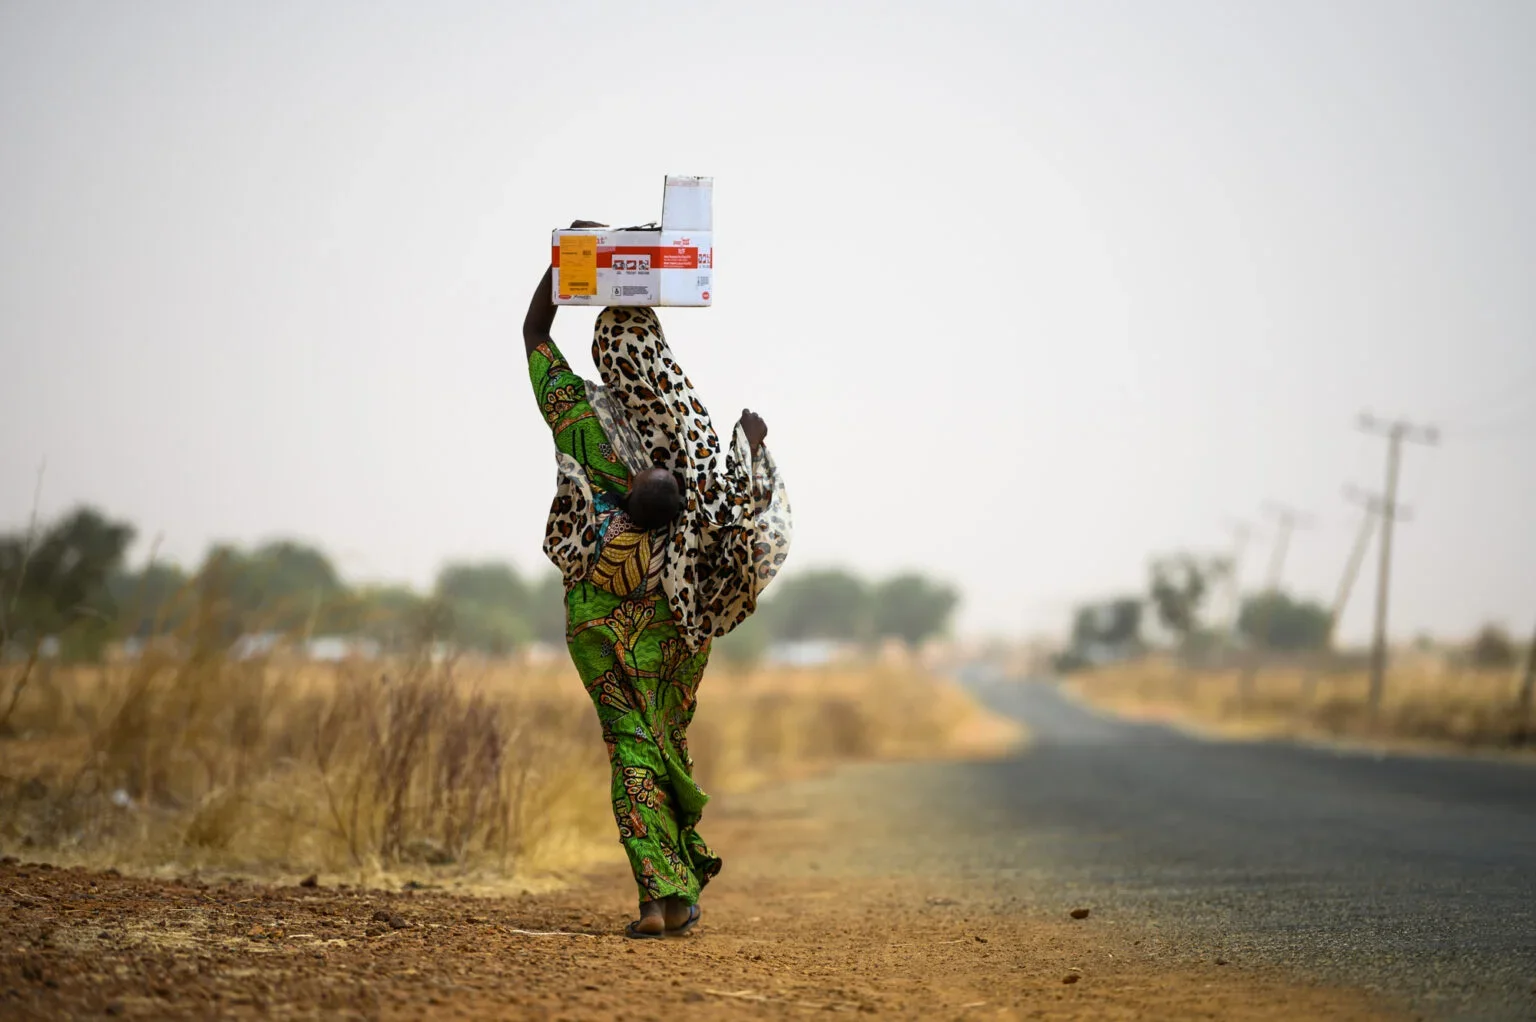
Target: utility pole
(1396, 432)
(1376, 509)
(1373, 507)
(1287, 521)
(1351, 569)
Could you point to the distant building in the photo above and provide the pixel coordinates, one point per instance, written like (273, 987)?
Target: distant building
(539, 654)
(16, 652)
(807, 653)
(260, 644)
(133, 648)
(336, 648)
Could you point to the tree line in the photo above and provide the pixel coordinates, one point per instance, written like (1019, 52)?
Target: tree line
(1176, 603)
(67, 583)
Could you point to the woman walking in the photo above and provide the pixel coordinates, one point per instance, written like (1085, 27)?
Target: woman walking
(664, 542)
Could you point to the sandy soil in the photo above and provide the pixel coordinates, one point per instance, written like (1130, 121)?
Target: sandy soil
(773, 943)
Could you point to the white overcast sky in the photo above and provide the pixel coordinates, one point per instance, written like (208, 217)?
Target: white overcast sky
(1026, 291)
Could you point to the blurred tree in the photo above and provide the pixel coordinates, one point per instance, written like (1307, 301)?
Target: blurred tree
(1110, 630)
(1203, 641)
(152, 600)
(283, 568)
(491, 584)
(745, 645)
(54, 584)
(827, 603)
(75, 575)
(495, 631)
(396, 617)
(1124, 622)
(282, 585)
(911, 608)
(488, 604)
(1067, 661)
(546, 614)
(1493, 648)
(1179, 586)
(1116, 623)
(1276, 621)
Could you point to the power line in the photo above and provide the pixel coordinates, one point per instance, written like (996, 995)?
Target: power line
(1395, 432)
(1517, 386)
(1517, 419)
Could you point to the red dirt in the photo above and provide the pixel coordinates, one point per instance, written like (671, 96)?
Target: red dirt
(79, 944)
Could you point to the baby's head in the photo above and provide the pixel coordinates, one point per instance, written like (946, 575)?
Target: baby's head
(655, 498)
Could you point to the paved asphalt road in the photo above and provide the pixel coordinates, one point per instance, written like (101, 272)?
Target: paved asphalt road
(1411, 875)
(1415, 874)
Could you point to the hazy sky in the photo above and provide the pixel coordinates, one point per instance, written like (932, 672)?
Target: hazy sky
(1026, 292)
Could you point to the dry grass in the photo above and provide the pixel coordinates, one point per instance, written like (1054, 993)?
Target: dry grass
(360, 769)
(759, 726)
(1421, 707)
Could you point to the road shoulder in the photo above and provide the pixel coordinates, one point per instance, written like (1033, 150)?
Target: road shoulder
(776, 940)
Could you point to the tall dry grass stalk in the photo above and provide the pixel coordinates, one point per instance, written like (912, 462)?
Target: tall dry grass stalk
(1453, 707)
(199, 759)
(347, 767)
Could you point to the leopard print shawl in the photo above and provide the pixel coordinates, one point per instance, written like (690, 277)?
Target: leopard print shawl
(734, 533)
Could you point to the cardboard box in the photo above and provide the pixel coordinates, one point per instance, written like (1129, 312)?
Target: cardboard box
(672, 264)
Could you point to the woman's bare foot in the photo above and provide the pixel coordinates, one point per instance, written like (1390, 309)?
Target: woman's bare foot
(677, 912)
(653, 917)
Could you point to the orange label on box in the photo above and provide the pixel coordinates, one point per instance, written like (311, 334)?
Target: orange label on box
(578, 264)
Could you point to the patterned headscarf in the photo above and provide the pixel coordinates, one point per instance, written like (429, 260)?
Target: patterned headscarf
(734, 532)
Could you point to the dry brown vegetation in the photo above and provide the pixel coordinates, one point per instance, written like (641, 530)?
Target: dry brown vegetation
(203, 760)
(1448, 707)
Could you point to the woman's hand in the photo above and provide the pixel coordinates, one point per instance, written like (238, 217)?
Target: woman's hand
(541, 308)
(757, 429)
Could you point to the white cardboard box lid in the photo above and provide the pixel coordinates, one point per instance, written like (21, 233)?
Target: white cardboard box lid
(687, 204)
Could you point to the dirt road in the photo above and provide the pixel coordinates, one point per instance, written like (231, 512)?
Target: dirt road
(778, 939)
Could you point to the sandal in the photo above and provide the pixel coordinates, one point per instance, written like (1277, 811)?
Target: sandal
(693, 917)
(634, 934)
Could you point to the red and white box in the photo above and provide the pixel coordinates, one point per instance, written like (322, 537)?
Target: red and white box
(652, 266)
